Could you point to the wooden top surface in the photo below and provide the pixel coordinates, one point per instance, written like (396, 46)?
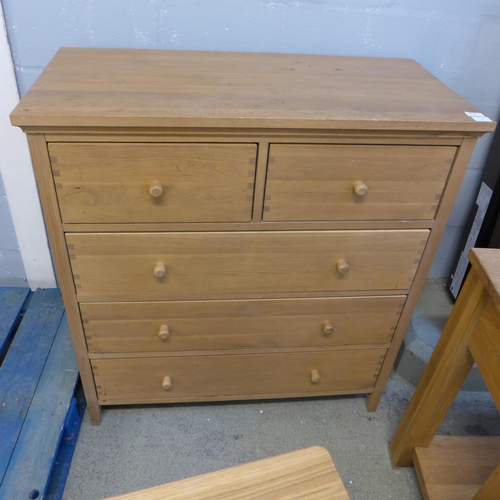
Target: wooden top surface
(308, 474)
(154, 88)
(486, 262)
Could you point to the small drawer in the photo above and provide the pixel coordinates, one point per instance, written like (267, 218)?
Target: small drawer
(116, 182)
(245, 376)
(115, 327)
(192, 266)
(321, 182)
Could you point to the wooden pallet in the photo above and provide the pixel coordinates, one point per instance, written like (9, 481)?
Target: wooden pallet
(40, 414)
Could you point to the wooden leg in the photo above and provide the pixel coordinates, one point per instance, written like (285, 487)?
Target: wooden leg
(484, 346)
(491, 488)
(444, 375)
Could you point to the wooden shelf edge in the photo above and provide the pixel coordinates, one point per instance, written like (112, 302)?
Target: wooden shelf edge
(455, 467)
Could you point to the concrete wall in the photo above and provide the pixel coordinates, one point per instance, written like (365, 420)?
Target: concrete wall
(457, 40)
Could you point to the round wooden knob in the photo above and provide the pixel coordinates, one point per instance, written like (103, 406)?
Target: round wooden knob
(164, 332)
(327, 327)
(166, 383)
(360, 188)
(342, 266)
(160, 270)
(156, 189)
(315, 377)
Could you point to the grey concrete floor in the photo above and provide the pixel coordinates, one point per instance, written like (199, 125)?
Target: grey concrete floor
(141, 447)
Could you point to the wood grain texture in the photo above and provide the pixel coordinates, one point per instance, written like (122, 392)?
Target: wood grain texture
(446, 371)
(48, 198)
(120, 266)
(486, 261)
(237, 135)
(317, 182)
(454, 468)
(87, 88)
(21, 370)
(32, 461)
(239, 324)
(159, 227)
(443, 212)
(177, 157)
(484, 345)
(461, 467)
(217, 378)
(304, 474)
(111, 182)
(260, 181)
(490, 488)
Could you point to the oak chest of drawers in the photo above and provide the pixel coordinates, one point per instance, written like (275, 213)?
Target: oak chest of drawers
(237, 226)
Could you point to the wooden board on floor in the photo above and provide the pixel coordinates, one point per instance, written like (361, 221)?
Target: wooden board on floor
(308, 474)
(23, 366)
(454, 468)
(12, 301)
(40, 415)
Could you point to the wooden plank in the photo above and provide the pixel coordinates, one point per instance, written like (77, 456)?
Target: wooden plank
(118, 327)
(48, 197)
(484, 346)
(220, 378)
(72, 134)
(315, 182)
(262, 226)
(12, 302)
(95, 88)
(260, 181)
(98, 183)
(454, 468)
(487, 265)
(120, 266)
(72, 424)
(446, 203)
(33, 458)
(23, 365)
(448, 367)
(308, 473)
(491, 487)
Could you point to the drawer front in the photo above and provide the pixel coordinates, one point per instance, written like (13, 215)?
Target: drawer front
(320, 182)
(154, 182)
(194, 378)
(115, 327)
(122, 266)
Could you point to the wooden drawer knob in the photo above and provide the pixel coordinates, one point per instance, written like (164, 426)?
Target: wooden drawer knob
(164, 332)
(160, 270)
(360, 188)
(327, 327)
(156, 189)
(342, 266)
(166, 383)
(315, 377)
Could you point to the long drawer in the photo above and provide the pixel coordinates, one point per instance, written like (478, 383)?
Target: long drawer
(114, 327)
(101, 182)
(156, 266)
(198, 378)
(323, 182)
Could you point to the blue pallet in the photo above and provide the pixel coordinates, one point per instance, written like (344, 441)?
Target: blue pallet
(39, 414)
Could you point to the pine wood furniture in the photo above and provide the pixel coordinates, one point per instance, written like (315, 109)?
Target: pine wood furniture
(309, 474)
(458, 468)
(237, 225)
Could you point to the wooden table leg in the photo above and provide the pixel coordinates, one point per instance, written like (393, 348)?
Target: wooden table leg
(447, 370)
